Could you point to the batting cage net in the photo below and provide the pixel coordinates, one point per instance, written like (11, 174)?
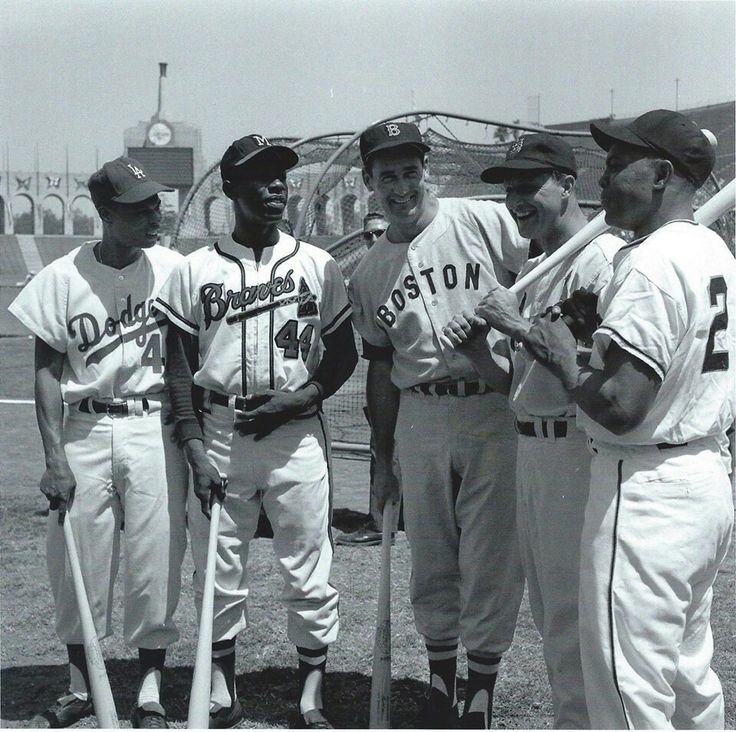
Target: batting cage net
(327, 201)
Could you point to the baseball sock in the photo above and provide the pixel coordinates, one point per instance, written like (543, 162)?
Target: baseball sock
(442, 657)
(482, 674)
(150, 669)
(78, 676)
(312, 664)
(223, 673)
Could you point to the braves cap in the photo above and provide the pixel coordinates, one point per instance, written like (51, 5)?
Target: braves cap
(247, 152)
(387, 135)
(122, 180)
(668, 134)
(540, 151)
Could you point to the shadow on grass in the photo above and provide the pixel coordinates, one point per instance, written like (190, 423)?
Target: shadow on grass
(343, 519)
(268, 696)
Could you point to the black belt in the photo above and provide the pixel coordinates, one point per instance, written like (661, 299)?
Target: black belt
(670, 446)
(224, 400)
(90, 406)
(548, 428)
(451, 388)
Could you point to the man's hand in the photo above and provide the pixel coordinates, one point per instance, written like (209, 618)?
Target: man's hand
(385, 487)
(266, 411)
(467, 332)
(207, 482)
(58, 484)
(580, 313)
(551, 343)
(499, 307)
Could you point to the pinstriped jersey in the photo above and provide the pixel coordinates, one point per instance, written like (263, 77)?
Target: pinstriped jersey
(671, 304)
(259, 324)
(102, 318)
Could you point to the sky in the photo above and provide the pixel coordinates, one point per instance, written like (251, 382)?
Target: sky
(76, 73)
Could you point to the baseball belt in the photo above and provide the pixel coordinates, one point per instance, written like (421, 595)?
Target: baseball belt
(118, 407)
(241, 403)
(459, 388)
(544, 428)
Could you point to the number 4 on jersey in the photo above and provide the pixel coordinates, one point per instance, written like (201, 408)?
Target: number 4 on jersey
(292, 343)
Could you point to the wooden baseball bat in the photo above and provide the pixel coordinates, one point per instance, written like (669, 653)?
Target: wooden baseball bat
(199, 698)
(99, 684)
(715, 207)
(380, 710)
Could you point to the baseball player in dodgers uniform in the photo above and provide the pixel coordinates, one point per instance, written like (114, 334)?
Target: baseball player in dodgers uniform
(454, 433)
(656, 401)
(552, 461)
(266, 320)
(100, 352)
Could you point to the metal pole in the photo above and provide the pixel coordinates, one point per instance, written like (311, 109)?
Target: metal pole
(677, 94)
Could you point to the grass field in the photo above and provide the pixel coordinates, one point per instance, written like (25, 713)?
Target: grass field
(33, 667)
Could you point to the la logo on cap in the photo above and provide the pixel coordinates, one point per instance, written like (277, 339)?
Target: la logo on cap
(392, 130)
(515, 148)
(136, 171)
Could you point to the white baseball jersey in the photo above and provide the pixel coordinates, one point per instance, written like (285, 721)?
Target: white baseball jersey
(102, 319)
(668, 305)
(259, 324)
(403, 294)
(535, 391)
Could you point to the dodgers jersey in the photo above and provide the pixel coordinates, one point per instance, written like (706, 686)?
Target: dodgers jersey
(668, 305)
(535, 391)
(403, 294)
(102, 319)
(259, 324)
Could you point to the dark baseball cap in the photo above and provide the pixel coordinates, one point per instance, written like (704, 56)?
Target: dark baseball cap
(668, 133)
(122, 180)
(387, 135)
(540, 151)
(252, 150)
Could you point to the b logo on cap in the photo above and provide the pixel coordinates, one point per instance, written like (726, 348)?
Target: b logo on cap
(392, 130)
(136, 171)
(515, 148)
(261, 141)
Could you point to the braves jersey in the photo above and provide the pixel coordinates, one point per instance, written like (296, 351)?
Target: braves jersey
(671, 304)
(102, 319)
(403, 294)
(535, 391)
(259, 324)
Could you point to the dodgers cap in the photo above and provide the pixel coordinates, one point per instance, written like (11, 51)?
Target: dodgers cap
(541, 151)
(387, 135)
(251, 150)
(668, 133)
(122, 180)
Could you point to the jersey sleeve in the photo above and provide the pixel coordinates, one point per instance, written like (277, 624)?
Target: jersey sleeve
(644, 321)
(335, 306)
(176, 299)
(42, 306)
(499, 229)
(364, 318)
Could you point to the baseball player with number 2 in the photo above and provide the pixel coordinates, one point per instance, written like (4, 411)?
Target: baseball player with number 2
(261, 324)
(100, 352)
(655, 401)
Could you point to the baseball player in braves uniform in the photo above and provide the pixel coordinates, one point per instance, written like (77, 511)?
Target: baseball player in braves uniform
(454, 433)
(266, 321)
(552, 462)
(100, 352)
(656, 401)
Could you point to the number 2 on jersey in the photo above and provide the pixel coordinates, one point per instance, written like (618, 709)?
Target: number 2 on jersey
(716, 360)
(152, 354)
(292, 343)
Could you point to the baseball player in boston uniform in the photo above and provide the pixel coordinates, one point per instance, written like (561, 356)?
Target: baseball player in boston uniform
(100, 352)
(656, 401)
(265, 321)
(454, 433)
(552, 462)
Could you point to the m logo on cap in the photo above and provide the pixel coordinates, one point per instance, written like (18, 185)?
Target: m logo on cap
(136, 171)
(515, 148)
(392, 130)
(261, 141)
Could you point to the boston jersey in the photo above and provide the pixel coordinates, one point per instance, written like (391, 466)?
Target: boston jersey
(671, 304)
(259, 324)
(403, 294)
(102, 319)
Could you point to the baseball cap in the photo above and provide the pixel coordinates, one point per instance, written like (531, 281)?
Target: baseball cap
(122, 180)
(245, 152)
(540, 151)
(668, 133)
(387, 135)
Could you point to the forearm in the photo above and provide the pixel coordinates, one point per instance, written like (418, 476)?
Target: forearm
(49, 404)
(181, 353)
(493, 369)
(337, 364)
(383, 408)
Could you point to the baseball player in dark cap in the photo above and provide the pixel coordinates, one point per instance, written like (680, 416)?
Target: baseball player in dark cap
(102, 413)
(552, 461)
(655, 401)
(262, 322)
(454, 432)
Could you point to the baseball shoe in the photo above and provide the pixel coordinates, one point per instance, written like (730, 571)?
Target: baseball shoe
(474, 720)
(313, 719)
(437, 712)
(148, 716)
(64, 712)
(367, 535)
(227, 717)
